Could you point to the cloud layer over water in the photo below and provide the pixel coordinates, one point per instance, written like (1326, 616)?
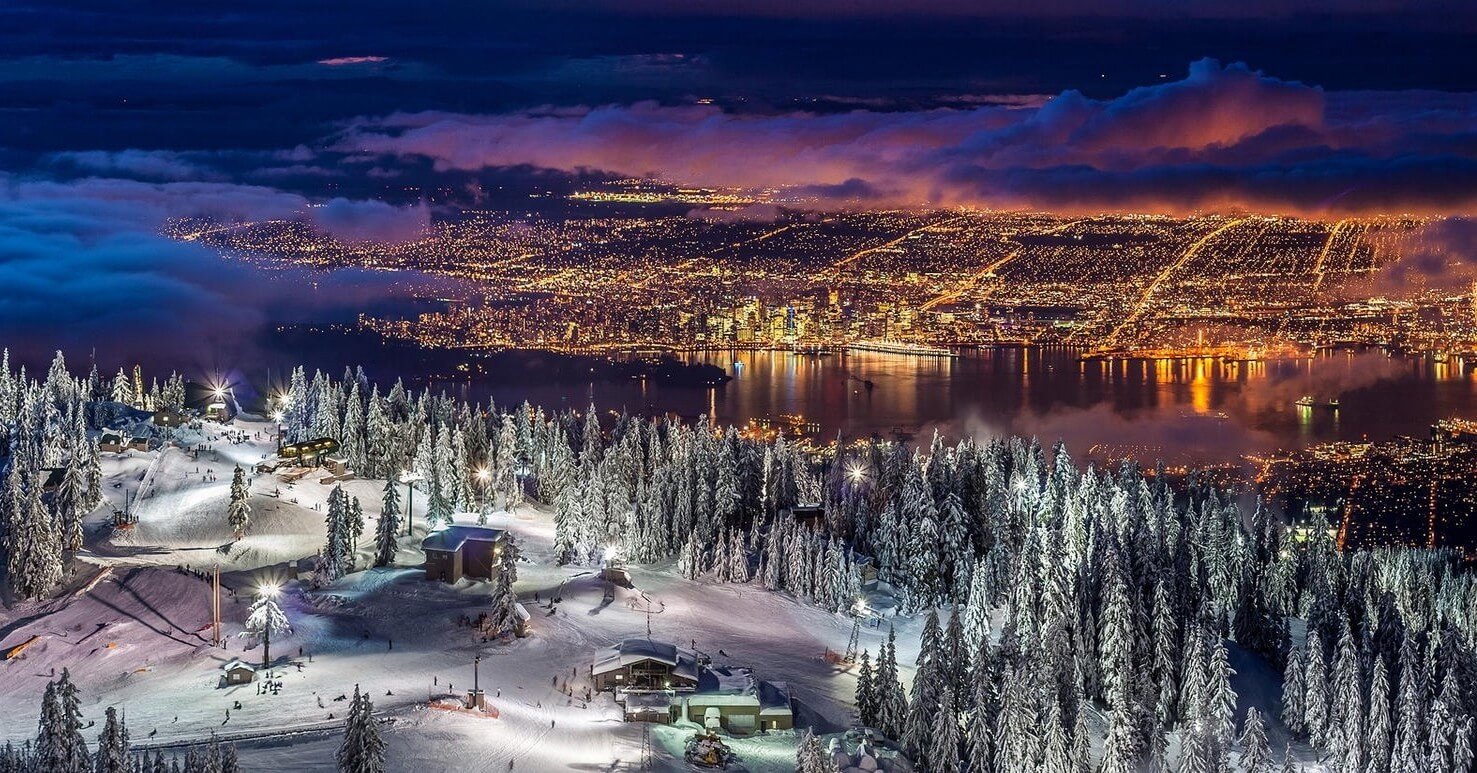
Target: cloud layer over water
(84, 266)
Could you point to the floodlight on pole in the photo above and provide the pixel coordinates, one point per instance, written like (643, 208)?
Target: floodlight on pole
(267, 591)
(409, 477)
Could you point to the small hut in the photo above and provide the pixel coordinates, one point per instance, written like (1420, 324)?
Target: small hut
(238, 671)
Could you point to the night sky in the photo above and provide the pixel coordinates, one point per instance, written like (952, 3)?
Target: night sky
(117, 116)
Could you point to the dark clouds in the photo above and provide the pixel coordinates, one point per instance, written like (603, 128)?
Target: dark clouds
(371, 221)
(87, 74)
(1222, 137)
(1215, 9)
(83, 267)
(1440, 256)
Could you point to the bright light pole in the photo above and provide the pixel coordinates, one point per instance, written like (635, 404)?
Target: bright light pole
(283, 402)
(277, 419)
(409, 478)
(268, 591)
(483, 476)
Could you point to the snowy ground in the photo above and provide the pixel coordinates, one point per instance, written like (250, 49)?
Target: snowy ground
(139, 638)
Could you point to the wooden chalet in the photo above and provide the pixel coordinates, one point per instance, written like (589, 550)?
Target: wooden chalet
(644, 665)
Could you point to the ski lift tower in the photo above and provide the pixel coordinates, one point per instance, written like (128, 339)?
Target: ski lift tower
(853, 645)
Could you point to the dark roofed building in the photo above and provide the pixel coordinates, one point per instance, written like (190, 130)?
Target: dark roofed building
(463, 551)
(51, 478)
(809, 515)
(170, 418)
(111, 442)
(238, 671)
(206, 401)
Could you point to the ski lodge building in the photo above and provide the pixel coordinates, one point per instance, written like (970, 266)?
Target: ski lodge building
(659, 682)
(463, 550)
(308, 453)
(644, 664)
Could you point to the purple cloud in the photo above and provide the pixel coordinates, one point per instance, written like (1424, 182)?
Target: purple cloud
(1223, 137)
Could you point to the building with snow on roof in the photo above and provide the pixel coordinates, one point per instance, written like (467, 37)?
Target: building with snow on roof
(238, 671)
(463, 550)
(659, 682)
(637, 665)
(731, 698)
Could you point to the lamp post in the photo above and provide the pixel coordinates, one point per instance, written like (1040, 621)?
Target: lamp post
(409, 478)
(483, 476)
(283, 402)
(269, 591)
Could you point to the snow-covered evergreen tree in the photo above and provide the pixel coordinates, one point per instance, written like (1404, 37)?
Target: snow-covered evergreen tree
(362, 750)
(388, 529)
(866, 692)
(265, 620)
(59, 744)
(892, 704)
(1256, 753)
(69, 503)
(1380, 728)
(112, 745)
(337, 558)
(238, 512)
(811, 756)
(1294, 708)
(504, 616)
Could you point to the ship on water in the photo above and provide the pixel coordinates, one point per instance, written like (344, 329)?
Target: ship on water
(1309, 401)
(901, 347)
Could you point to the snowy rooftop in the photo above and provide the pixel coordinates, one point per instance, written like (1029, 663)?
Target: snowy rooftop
(727, 680)
(683, 662)
(454, 536)
(774, 697)
(731, 685)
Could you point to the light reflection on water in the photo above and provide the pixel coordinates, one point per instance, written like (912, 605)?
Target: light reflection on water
(1013, 389)
(1246, 406)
